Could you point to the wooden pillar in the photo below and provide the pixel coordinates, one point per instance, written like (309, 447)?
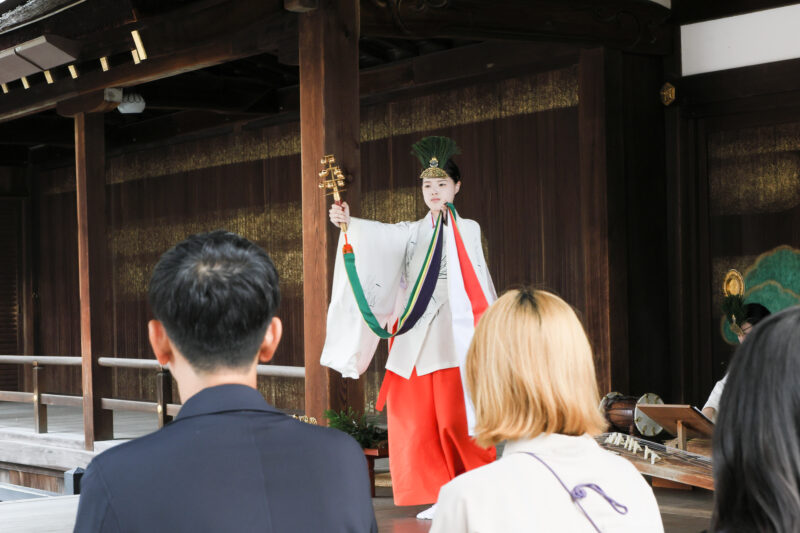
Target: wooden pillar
(93, 273)
(603, 212)
(329, 124)
(39, 409)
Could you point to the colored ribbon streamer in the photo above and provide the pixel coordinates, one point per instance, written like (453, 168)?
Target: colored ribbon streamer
(471, 284)
(420, 295)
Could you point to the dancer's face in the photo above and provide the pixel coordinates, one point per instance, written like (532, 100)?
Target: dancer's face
(746, 327)
(439, 191)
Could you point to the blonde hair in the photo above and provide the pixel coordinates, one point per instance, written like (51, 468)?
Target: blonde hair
(530, 370)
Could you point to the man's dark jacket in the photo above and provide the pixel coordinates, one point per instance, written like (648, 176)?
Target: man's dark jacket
(229, 462)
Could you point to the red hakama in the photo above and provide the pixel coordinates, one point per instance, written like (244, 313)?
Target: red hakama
(428, 439)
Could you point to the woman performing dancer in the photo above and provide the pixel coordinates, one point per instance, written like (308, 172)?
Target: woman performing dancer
(428, 281)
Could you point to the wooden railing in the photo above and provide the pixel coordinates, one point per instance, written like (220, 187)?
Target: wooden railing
(162, 407)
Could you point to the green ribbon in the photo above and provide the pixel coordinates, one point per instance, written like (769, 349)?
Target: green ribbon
(420, 294)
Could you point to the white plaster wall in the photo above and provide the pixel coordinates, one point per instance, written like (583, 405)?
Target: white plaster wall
(740, 41)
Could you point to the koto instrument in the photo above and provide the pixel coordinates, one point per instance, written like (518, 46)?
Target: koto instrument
(660, 461)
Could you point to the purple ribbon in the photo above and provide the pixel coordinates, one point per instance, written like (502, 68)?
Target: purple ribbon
(579, 492)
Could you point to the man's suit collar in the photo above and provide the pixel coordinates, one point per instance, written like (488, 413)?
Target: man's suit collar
(224, 398)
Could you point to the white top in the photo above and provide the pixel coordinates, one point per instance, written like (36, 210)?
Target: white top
(388, 259)
(716, 395)
(517, 493)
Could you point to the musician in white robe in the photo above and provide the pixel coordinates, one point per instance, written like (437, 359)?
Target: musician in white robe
(427, 412)
(753, 313)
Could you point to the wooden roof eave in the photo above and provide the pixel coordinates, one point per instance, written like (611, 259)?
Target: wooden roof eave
(182, 41)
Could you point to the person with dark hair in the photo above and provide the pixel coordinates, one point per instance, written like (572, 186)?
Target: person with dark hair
(756, 449)
(229, 461)
(435, 268)
(753, 314)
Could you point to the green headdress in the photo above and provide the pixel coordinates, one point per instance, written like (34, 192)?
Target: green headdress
(733, 304)
(733, 308)
(434, 153)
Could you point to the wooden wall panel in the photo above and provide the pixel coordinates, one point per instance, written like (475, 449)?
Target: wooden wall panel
(57, 326)
(753, 177)
(11, 323)
(522, 183)
(736, 136)
(642, 207)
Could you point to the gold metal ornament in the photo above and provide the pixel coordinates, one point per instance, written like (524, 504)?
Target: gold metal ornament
(333, 180)
(667, 93)
(733, 284)
(433, 170)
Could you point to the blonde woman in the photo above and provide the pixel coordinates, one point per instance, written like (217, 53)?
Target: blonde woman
(531, 377)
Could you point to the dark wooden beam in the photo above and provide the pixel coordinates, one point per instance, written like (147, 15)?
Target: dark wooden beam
(205, 92)
(474, 62)
(300, 6)
(631, 25)
(97, 102)
(174, 126)
(407, 78)
(410, 77)
(238, 29)
(329, 124)
(93, 274)
(52, 156)
(38, 129)
(757, 88)
(12, 156)
(75, 22)
(598, 162)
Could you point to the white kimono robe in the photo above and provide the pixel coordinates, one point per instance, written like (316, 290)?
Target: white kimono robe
(388, 259)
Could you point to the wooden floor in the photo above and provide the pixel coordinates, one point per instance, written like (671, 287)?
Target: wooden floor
(681, 511)
(62, 446)
(66, 423)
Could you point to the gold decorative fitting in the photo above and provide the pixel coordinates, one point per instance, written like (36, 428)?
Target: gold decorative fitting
(433, 170)
(48, 77)
(667, 93)
(333, 179)
(137, 40)
(733, 284)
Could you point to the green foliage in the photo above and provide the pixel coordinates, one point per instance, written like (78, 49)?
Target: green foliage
(366, 434)
(442, 148)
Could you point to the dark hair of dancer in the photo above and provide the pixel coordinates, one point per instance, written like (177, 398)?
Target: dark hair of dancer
(755, 313)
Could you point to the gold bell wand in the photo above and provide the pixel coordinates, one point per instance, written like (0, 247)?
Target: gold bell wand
(333, 182)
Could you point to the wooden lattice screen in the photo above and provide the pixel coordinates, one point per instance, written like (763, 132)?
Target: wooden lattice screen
(10, 260)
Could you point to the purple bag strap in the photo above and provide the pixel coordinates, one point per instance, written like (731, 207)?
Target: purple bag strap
(579, 492)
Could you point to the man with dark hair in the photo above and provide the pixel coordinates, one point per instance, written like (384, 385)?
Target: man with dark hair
(229, 461)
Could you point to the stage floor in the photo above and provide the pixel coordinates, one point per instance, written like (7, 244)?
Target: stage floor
(681, 511)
